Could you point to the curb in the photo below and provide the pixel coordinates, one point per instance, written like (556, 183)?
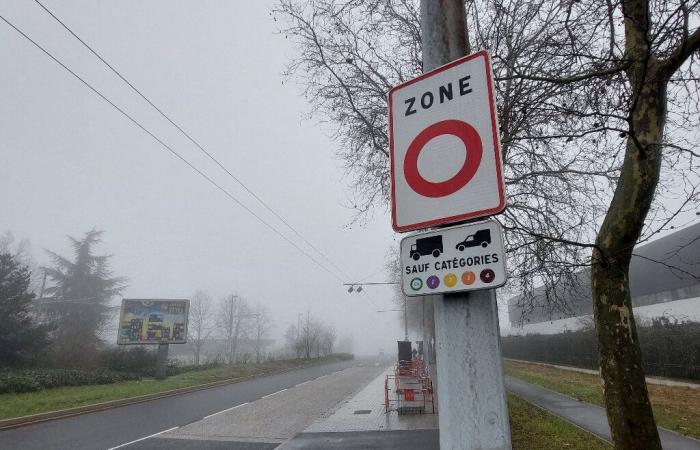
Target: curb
(17, 422)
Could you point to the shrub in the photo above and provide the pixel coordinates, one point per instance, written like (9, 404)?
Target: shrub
(37, 379)
(138, 360)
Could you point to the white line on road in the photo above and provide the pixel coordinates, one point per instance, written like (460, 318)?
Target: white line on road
(144, 438)
(307, 381)
(270, 395)
(225, 410)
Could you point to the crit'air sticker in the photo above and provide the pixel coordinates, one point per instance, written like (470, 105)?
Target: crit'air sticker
(416, 284)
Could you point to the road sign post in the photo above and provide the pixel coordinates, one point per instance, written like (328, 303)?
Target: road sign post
(162, 362)
(446, 168)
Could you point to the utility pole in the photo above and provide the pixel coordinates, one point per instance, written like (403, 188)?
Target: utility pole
(471, 391)
(405, 320)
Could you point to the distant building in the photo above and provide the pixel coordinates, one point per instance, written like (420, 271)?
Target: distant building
(665, 271)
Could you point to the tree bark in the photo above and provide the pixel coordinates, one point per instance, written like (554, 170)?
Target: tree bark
(627, 403)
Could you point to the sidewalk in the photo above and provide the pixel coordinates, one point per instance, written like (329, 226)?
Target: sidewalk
(585, 415)
(361, 422)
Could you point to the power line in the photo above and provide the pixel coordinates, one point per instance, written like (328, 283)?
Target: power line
(166, 146)
(195, 142)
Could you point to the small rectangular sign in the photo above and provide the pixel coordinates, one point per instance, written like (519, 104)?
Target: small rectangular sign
(462, 258)
(153, 321)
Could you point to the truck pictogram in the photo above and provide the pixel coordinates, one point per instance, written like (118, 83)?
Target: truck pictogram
(431, 245)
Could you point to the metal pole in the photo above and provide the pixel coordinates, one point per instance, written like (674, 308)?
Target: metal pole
(405, 320)
(162, 362)
(471, 392)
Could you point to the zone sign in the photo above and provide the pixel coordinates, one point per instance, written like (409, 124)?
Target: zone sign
(444, 142)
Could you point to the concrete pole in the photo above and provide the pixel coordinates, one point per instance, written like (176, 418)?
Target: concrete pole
(471, 392)
(162, 362)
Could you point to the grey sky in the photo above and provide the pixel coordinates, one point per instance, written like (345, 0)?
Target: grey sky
(68, 161)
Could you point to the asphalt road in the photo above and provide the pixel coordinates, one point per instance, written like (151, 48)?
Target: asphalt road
(114, 427)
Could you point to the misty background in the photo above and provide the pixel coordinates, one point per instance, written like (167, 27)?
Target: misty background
(70, 162)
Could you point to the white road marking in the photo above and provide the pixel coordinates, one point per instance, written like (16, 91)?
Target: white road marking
(307, 381)
(144, 438)
(270, 395)
(225, 410)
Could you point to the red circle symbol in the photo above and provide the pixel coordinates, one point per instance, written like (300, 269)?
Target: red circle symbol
(472, 142)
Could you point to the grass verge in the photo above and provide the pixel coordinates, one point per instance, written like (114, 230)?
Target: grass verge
(23, 404)
(675, 408)
(534, 429)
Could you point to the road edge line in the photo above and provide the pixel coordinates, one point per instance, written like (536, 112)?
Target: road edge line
(143, 438)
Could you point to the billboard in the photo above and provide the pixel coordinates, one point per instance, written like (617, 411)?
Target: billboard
(153, 321)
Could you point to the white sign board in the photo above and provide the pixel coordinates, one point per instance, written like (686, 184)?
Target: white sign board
(444, 142)
(462, 258)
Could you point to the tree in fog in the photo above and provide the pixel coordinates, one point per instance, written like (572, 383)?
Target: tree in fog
(21, 339)
(292, 339)
(309, 334)
(261, 327)
(81, 290)
(21, 251)
(233, 320)
(346, 343)
(327, 339)
(201, 324)
(310, 337)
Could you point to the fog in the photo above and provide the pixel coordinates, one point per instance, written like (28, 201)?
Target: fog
(70, 162)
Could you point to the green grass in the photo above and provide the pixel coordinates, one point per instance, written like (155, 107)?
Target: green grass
(533, 429)
(675, 408)
(23, 404)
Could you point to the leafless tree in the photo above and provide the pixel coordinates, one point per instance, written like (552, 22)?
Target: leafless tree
(234, 320)
(201, 324)
(293, 340)
(352, 52)
(310, 336)
(262, 324)
(598, 107)
(327, 340)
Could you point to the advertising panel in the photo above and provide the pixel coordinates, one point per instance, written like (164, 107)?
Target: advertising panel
(153, 321)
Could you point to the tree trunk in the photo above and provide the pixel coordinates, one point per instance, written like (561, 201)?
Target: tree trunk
(626, 398)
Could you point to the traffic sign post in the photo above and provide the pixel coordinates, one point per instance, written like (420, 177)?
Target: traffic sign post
(446, 168)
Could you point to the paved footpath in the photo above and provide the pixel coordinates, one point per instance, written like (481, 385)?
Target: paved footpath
(585, 415)
(268, 421)
(360, 422)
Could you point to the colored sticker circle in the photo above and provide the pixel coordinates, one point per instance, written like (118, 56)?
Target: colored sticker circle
(433, 282)
(416, 284)
(487, 275)
(472, 143)
(450, 280)
(468, 278)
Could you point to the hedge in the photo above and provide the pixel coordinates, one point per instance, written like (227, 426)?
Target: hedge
(669, 349)
(28, 380)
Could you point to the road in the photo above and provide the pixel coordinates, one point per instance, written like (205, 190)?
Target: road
(115, 427)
